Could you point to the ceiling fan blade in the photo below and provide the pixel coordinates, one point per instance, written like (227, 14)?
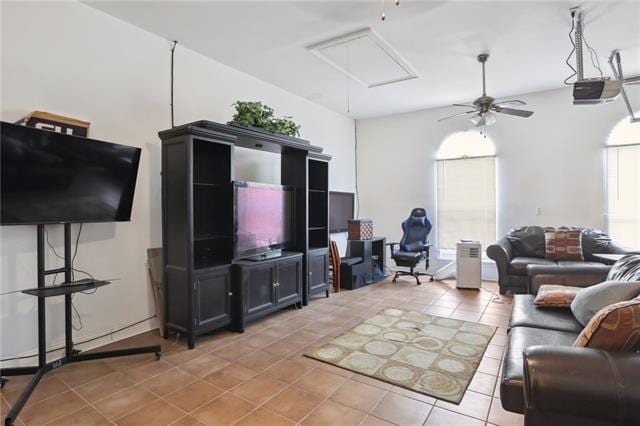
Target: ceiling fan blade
(456, 115)
(510, 102)
(465, 105)
(511, 111)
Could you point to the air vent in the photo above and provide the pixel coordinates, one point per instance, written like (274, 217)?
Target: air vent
(365, 57)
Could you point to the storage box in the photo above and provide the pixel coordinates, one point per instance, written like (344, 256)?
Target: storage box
(360, 229)
(56, 123)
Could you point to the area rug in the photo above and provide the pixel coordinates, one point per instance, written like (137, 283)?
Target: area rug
(424, 353)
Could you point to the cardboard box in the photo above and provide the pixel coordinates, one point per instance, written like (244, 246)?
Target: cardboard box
(56, 123)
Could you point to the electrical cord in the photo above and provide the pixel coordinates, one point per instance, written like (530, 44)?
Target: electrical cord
(355, 149)
(595, 61)
(82, 342)
(573, 25)
(173, 49)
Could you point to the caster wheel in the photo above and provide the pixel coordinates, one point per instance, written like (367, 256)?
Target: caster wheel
(393, 280)
(431, 279)
(158, 355)
(3, 380)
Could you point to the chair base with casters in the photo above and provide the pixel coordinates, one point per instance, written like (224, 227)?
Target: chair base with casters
(412, 273)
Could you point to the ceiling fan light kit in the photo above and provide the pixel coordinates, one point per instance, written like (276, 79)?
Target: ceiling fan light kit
(485, 107)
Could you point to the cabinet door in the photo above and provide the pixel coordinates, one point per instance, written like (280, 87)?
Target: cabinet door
(259, 288)
(289, 280)
(212, 298)
(318, 271)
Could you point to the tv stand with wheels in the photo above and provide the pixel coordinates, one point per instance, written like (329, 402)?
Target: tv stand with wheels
(71, 354)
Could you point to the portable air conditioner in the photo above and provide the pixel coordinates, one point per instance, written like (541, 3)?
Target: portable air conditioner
(469, 265)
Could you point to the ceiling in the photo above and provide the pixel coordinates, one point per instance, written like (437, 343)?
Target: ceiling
(527, 41)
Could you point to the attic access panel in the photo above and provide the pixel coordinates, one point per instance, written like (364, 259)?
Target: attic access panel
(365, 57)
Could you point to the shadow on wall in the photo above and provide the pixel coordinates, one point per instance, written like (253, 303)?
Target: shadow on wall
(154, 153)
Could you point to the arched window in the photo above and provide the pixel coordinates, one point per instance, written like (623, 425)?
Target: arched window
(466, 186)
(623, 183)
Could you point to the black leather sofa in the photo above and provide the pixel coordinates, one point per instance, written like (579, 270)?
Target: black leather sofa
(524, 248)
(554, 383)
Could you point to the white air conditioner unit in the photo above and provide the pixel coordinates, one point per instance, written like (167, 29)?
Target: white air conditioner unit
(469, 265)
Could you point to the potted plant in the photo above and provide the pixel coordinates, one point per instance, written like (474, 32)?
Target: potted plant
(256, 114)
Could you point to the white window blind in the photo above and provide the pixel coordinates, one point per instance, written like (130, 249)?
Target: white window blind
(466, 201)
(623, 194)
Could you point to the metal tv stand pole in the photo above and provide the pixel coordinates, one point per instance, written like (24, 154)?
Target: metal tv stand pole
(71, 354)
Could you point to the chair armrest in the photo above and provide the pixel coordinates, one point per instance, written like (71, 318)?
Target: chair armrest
(565, 384)
(574, 276)
(501, 253)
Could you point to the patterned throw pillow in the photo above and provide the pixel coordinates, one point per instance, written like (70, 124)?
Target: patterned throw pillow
(614, 328)
(563, 244)
(555, 296)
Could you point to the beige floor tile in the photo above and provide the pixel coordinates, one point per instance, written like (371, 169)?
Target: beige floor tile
(156, 413)
(262, 417)
(104, 386)
(124, 402)
(482, 383)
(358, 395)
(193, 395)
(46, 389)
(168, 381)
(374, 421)
(259, 389)
(233, 351)
(203, 366)
(401, 410)
(320, 382)
(501, 417)
(293, 403)
(52, 408)
(87, 416)
(258, 361)
(287, 370)
(146, 370)
(224, 410)
(78, 373)
(473, 404)
(332, 413)
(230, 376)
(442, 417)
(187, 421)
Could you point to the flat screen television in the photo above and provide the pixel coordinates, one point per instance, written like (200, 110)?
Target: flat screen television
(340, 210)
(263, 217)
(49, 177)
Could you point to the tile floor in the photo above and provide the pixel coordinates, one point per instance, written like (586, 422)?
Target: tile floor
(260, 377)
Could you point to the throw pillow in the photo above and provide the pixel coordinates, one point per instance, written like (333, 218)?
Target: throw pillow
(563, 244)
(527, 241)
(555, 296)
(592, 299)
(614, 328)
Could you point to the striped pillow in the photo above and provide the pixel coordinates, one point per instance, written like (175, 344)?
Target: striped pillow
(614, 328)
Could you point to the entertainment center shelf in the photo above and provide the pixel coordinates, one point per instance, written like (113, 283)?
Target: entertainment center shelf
(209, 284)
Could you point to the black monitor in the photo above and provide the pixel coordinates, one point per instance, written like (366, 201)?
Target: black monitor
(340, 210)
(49, 177)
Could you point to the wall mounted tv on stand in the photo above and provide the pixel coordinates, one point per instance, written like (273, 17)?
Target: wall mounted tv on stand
(263, 220)
(50, 178)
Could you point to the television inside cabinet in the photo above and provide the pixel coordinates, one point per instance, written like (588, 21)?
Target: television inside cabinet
(209, 283)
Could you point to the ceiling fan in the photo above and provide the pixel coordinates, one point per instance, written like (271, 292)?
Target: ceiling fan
(485, 107)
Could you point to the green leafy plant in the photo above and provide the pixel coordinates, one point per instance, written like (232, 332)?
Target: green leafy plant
(256, 114)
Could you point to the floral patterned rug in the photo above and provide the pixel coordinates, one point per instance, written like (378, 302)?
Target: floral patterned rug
(424, 353)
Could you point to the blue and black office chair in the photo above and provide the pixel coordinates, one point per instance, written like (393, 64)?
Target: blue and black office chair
(413, 248)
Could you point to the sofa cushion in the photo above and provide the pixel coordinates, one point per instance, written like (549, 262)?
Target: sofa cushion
(526, 314)
(555, 296)
(626, 269)
(563, 244)
(592, 299)
(527, 241)
(520, 338)
(578, 264)
(614, 328)
(518, 265)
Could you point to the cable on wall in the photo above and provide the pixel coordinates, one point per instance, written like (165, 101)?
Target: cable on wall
(355, 149)
(173, 49)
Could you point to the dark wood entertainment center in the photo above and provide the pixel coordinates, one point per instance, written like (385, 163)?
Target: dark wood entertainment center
(207, 287)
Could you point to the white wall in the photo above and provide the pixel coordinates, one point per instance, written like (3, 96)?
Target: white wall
(553, 160)
(73, 60)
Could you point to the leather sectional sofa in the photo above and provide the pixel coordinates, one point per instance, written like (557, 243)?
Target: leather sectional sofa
(554, 383)
(521, 249)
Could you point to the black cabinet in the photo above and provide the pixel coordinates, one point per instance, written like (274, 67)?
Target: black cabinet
(213, 298)
(318, 270)
(266, 286)
(371, 269)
